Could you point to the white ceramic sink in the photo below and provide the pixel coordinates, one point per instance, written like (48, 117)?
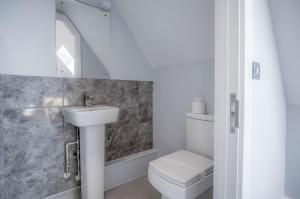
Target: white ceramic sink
(91, 115)
(91, 120)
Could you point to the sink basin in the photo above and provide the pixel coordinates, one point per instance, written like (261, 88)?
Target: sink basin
(91, 115)
(91, 121)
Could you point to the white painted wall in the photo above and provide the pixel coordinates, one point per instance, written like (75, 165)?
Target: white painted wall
(27, 37)
(286, 15)
(127, 60)
(176, 38)
(292, 182)
(171, 32)
(267, 145)
(174, 89)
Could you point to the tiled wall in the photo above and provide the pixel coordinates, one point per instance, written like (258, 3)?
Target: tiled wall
(33, 131)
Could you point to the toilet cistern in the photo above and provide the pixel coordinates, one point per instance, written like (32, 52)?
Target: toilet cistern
(186, 174)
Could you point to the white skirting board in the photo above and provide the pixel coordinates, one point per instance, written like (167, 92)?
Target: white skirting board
(118, 172)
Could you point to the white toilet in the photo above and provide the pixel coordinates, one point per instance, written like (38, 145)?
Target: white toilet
(186, 174)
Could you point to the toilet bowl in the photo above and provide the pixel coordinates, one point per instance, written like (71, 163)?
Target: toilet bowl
(186, 174)
(181, 175)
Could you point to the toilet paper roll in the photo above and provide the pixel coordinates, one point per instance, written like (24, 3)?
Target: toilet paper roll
(199, 106)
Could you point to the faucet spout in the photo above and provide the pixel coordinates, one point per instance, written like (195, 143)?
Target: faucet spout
(88, 99)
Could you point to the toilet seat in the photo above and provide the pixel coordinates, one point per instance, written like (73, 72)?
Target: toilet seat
(182, 167)
(181, 175)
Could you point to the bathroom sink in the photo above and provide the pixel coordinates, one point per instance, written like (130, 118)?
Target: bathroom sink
(91, 121)
(91, 115)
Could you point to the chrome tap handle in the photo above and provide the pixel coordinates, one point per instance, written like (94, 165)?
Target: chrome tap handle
(88, 99)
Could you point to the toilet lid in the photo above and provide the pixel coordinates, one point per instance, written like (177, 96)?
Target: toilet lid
(182, 167)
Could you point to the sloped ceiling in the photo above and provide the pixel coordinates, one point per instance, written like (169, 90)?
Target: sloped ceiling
(171, 32)
(286, 20)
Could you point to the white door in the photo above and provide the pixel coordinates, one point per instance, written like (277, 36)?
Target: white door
(230, 73)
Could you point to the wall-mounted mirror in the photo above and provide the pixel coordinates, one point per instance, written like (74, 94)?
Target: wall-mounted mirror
(82, 39)
(65, 38)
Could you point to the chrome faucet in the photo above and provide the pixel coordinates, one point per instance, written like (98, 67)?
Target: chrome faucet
(88, 99)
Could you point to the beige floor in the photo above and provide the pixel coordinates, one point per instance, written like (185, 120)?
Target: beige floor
(138, 189)
(142, 189)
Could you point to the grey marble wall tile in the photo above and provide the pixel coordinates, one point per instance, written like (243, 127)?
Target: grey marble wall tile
(28, 91)
(123, 152)
(123, 133)
(70, 136)
(132, 132)
(145, 101)
(1, 146)
(1, 162)
(33, 153)
(121, 136)
(74, 90)
(145, 91)
(122, 93)
(34, 138)
(70, 194)
(145, 133)
(145, 111)
(1, 100)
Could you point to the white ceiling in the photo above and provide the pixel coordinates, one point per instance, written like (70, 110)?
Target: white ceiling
(286, 20)
(171, 32)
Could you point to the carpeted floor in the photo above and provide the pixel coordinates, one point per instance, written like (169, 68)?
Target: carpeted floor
(138, 189)
(142, 189)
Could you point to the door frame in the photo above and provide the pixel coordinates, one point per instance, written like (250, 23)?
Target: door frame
(233, 74)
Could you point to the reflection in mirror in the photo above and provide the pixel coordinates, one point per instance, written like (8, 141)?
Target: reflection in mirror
(82, 39)
(67, 48)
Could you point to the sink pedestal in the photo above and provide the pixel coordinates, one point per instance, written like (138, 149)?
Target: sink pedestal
(92, 160)
(91, 121)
